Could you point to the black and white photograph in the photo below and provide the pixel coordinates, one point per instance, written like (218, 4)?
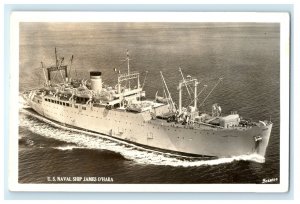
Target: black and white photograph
(150, 102)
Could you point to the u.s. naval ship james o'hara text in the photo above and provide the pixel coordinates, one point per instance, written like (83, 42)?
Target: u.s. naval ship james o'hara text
(124, 113)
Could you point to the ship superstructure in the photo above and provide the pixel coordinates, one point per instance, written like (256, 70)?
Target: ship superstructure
(123, 112)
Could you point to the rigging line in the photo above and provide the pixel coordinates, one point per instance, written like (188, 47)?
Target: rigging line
(191, 90)
(173, 105)
(62, 59)
(173, 80)
(76, 73)
(165, 94)
(55, 74)
(220, 79)
(119, 66)
(145, 79)
(184, 81)
(44, 73)
(71, 62)
(56, 63)
(204, 87)
(123, 61)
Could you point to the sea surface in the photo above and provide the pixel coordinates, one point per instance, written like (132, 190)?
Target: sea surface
(245, 55)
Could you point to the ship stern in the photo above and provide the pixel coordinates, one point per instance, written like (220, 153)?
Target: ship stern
(24, 99)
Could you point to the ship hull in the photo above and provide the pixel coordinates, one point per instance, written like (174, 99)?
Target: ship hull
(140, 128)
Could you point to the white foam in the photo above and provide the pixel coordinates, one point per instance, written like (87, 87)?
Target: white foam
(129, 151)
(66, 148)
(22, 102)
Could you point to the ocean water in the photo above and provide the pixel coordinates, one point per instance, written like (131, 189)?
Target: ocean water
(245, 55)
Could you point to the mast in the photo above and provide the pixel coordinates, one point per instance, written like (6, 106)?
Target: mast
(145, 79)
(56, 61)
(71, 62)
(44, 73)
(127, 76)
(173, 105)
(128, 67)
(195, 94)
(196, 98)
(60, 64)
(180, 99)
(57, 68)
(186, 86)
(189, 80)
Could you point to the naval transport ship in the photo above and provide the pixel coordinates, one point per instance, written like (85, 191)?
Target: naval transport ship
(123, 112)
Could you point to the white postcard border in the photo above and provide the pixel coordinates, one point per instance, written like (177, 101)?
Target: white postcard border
(282, 18)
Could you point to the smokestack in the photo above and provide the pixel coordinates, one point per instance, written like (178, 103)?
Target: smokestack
(96, 81)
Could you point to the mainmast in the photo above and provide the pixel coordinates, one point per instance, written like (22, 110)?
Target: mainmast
(58, 67)
(128, 77)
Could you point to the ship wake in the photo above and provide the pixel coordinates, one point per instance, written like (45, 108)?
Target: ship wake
(87, 140)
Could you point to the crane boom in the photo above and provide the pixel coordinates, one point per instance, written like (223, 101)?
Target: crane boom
(183, 79)
(172, 103)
